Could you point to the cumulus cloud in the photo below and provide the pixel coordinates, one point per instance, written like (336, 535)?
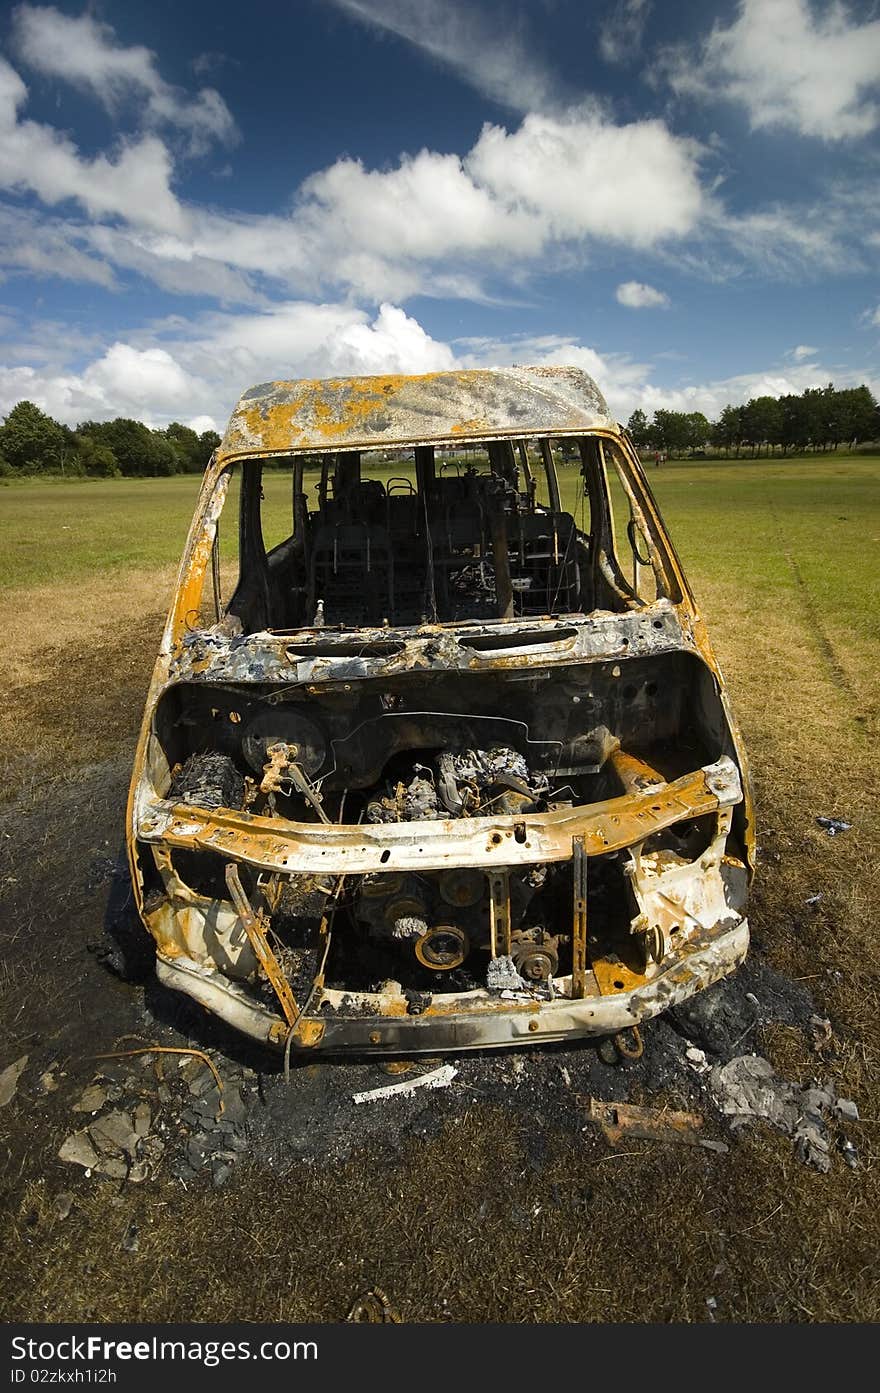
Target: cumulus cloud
(84, 52)
(580, 175)
(500, 62)
(813, 69)
(201, 423)
(637, 296)
(436, 223)
(196, 370)
(620, 34)
(135, 183)
(803, 351)
(148, 385)
(546, 193)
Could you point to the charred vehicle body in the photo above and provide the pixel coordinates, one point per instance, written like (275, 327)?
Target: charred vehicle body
(453, 766)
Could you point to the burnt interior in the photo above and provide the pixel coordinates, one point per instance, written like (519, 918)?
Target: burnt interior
(445, 728)
(456, 535)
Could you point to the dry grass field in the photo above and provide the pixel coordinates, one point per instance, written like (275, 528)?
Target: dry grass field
(489, 1202)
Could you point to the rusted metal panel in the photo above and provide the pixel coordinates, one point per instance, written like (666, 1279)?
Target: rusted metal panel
(347, 413)
(311, 848)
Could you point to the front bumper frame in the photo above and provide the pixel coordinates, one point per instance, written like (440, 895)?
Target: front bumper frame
(489, 1023)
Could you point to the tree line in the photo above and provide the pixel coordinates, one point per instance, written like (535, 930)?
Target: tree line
(31, 442)
(821, 418)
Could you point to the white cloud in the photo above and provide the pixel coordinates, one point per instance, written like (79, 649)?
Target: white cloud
(201, 423)
(196, 370)
(803, 351)
(434, 223)
(497, 60)
(620, 34)
(170, 263)
(428, 207)
(134, 184)
(582, 176)
(637, 296)
(40, 246)
(543, 196)
(627, 383)
(149, 384)
(811, 69)
(786, 242)
(84, 52)
(147, 380)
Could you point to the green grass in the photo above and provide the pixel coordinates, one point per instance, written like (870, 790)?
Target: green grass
(763, 523)
(53, 531)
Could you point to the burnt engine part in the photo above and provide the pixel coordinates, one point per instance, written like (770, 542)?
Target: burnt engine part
(535, 953)
(415, 801)
(443, 947)
(462, 886)
(208, 781)
(405, 909)
(284, 726)
(468, 783)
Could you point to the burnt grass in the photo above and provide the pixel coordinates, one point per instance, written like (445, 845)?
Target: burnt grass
(491, 1200)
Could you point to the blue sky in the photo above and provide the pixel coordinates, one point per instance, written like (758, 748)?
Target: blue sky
(682, 197)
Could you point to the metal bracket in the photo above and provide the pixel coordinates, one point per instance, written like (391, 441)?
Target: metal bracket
(254, 929)
(499, 914)
(579, 920)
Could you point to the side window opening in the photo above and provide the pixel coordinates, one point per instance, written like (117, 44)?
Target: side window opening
(222, 579)
(639, 548)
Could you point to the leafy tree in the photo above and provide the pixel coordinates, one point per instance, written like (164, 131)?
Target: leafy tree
(672, 431)
(855, 415)
(194, 450)
(697, 430)
(96, 459)
(638, 427)
(165, 458)
(728, 429)
(762, 422)
(817, 411)
(138, 450)
(32, 442)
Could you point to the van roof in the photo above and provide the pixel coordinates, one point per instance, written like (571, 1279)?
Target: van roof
(362, 413)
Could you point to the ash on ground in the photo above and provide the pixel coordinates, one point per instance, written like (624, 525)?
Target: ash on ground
(157, 1115)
